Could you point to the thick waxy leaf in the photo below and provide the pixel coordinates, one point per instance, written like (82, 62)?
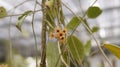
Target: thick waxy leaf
(95, 29)
(21, 19)
(19, 23)
(76, 47)
(25, 14)
(3, 12)
(87, 47)
(74, 22)
(52, 55)
(93, 12)
(114, 49)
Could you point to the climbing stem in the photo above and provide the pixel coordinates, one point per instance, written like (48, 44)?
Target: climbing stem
(43, 37)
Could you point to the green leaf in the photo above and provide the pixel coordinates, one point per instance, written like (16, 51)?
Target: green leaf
(76, 47)
(66, 56)
(74, 22)
(86, 23)
(21, 19)
(52, 55)
(3, 12)
(87, 47)
(114, 49)
(50, 20)
(93, 12)
(19, 23)
(95, 29)
(25, 14)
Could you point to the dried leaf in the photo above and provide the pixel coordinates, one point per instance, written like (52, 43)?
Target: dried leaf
(114, 49)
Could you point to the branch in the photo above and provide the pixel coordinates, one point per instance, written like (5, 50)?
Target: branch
(43, 41)
(35, 40)
(33, 12)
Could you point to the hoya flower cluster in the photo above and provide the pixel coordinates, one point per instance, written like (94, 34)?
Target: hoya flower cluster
(59, 34)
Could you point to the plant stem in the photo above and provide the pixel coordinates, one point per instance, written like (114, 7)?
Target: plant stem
(43, 41)
(10, 44)
(22, 13)
(36, 49)
(61, 55)
(19, 5)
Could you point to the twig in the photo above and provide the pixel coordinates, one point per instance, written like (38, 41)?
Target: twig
(36, 49)
(43, 39)
(22, 13)
(19, 4)
(61, 55)
(10, 44)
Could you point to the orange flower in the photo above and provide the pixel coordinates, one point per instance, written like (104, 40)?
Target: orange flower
(57, 30)
(64, 30)
(58, 35)
(62, 39)
(4, 65)
(52, 35)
